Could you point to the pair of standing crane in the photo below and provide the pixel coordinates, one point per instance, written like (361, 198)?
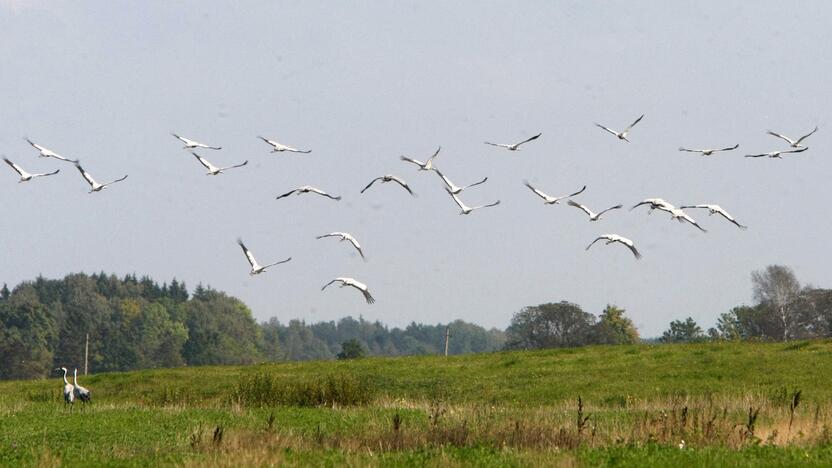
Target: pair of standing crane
(73, 391)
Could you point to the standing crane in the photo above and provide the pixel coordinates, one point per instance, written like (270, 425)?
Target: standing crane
(69, 390)
(78, 391)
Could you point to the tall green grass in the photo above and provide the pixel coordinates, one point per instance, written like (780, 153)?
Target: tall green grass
(731, 403)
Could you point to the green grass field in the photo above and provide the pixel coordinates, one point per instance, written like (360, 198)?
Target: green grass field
(515, 408)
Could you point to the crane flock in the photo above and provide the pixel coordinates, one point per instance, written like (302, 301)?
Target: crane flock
(795, 146)
(453, 190)
(73, 391)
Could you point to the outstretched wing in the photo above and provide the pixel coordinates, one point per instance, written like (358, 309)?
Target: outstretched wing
(693, 221)
(456, 200)
(806, 135)
(333, 281)
(611, 208)
(576, 193)
(434, 155)
(730, 148)
(536, 191)
(183, 140)
(35, 145)
(321, 192)
(486, 206)
(202, 161)
(501, 145)
(403, 184)
(366, 292)
(783, 137)
(632, 248)
(691, 150)
(249, 255)
(730, 218)
(14, 166)
(593, 242)
(476, 183)
(85, 175)
(797, 150)
(357, 246)
(295, 150)
(581, 207)
(234, 166)
(371, 184)
(529, 139)
(634, 123)
(276, 263)
(368, 297)
(47, 173)
(405, 158)
(444, 179)
(286, 194)
(114, 181)
(607, 129)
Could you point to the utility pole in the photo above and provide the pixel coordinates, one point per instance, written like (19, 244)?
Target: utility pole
(86, 353)
(447, 336)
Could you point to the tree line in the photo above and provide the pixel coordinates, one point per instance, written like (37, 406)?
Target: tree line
(783, 310)
(136, 323)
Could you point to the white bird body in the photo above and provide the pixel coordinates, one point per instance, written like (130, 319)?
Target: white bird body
(514, 146)
(25, 176)
(212, 169)
(468, 209)
(709, 151)
(592, 215)
(355, 284)
(716, 209)
(191, 144)
(610, 238)
(48, 153)
(777, 154)
(655, 203)
(95, 186)
(278, 147)
(621, 135)
(256, 268)
(794, 143)
(549, 200)
(308, 189)
(69, 390)
(80, 392)
(453, 188)
(423, 166)
(345, 236)
(390, 178)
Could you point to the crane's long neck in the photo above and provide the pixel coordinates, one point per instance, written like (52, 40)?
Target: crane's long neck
(75, 377)
(65, 381)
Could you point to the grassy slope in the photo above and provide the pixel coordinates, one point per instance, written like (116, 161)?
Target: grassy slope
(159, 414)
(600, 373)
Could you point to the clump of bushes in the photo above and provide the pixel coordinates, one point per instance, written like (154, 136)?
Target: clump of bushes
(263, 390)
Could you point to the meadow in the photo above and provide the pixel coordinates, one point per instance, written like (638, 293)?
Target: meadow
(739, 404)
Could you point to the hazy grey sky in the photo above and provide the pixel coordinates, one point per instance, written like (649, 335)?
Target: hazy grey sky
(361, 83)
